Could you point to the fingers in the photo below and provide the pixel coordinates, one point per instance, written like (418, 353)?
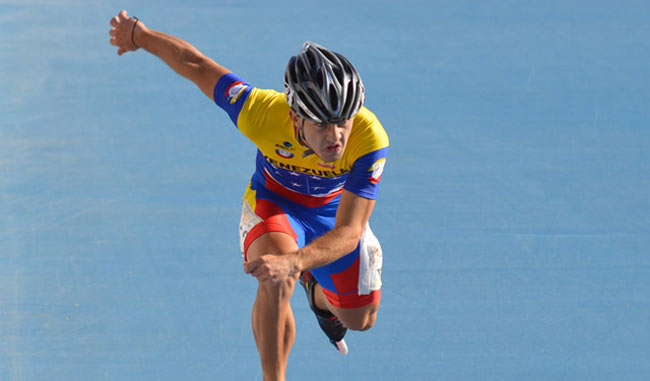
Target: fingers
(270, 268)
(260, 270)
(119, 18)
(115, 21)
(250, 266)
(121, 32)
(256, 268)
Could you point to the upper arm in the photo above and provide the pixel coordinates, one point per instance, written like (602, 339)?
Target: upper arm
(354, 212)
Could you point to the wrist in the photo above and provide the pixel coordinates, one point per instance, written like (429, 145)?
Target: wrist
(297, 262)
(137, 33)
(133, 31)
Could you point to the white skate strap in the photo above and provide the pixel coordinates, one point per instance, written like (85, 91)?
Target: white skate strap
(342, 346)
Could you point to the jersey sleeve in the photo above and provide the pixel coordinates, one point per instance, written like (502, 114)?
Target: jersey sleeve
(363, 179)
(230, 94)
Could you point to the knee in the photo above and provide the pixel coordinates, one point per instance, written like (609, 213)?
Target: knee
(362, 323)
(279, 292)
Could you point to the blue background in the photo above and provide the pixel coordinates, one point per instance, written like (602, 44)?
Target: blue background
(514, 210)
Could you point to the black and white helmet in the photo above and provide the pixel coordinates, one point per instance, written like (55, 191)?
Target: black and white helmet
(322, 85)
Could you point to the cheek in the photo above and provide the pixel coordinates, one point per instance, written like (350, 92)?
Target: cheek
(306, 134)
(312, 136)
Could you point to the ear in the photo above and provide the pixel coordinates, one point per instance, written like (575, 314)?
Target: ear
(294, 118)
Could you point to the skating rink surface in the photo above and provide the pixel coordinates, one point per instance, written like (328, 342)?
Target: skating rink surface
(514, 210)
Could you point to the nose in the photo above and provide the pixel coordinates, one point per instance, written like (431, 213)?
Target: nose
(333, 132)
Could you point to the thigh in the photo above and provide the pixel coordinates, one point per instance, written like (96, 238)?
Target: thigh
(270, 242)
(358, 319)
(266, 227)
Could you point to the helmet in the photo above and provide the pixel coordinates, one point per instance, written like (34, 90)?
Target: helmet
(322, 85)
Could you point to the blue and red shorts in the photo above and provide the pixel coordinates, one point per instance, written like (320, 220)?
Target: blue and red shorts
(352, 281)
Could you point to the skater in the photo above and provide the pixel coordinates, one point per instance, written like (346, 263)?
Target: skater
(305, 212)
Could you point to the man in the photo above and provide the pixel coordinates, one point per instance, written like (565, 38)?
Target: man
(305, 212)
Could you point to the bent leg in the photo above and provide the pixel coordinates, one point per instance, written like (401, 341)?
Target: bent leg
(272, 318)
(358, 318)
(341, 293)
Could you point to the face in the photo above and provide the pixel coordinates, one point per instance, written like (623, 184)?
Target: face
(328, 141)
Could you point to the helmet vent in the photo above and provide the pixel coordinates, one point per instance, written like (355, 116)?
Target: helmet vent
(334, 99)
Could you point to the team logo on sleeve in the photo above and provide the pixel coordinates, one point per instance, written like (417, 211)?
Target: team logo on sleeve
(376, 170)
(235, 91)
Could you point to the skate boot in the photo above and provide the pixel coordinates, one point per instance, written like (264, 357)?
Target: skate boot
(328, 322)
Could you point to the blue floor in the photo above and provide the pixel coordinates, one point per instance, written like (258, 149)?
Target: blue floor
(514, 211)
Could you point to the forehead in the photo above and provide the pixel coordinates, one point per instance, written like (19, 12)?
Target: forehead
(315, 123)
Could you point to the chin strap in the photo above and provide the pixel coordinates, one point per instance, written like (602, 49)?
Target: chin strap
(307, 153)
(300, 134)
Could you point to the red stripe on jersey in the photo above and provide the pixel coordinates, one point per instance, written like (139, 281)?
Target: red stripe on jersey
(299, 198)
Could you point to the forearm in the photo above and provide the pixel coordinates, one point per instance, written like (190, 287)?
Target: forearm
(180, 55)
(328, 248)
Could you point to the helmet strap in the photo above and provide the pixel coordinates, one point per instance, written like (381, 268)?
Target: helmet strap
(300, 134)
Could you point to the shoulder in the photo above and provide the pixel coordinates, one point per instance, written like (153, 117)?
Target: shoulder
(264, 112)
(368, 134)
(233, 94)
(262, 104)
(265, 99)
(368, 150)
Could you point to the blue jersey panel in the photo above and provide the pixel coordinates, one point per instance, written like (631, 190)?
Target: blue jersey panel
(366, 172)
(230, 93)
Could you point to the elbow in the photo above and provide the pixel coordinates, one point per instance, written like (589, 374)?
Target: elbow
(191, 56)
(196, 68)
(353, 235)
(193, 64)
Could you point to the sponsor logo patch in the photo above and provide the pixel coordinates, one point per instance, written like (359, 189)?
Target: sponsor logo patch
(285, 146)
(234, 92)
(284, 153)
(376, 170)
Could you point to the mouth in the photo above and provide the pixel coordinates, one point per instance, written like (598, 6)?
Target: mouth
(334, 148)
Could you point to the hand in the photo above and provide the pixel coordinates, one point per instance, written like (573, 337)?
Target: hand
(123, 31)
(271, 268)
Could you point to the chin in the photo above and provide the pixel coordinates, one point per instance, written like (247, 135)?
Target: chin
(330, 157)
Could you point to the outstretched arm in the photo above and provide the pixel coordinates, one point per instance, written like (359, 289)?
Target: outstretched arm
(352, 216)
(129, 34)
